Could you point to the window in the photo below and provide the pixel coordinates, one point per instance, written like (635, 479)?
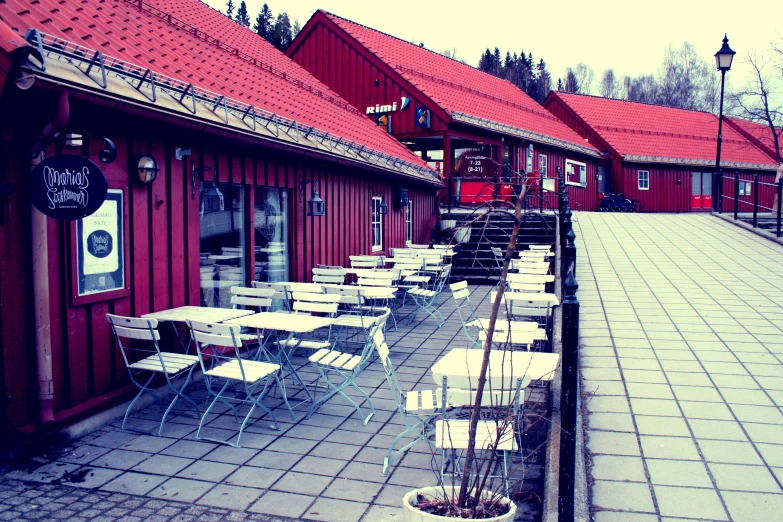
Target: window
(576, 173)
(222, 245)
(644, 180)
(542, 165)
(270, 229)
(744, 188)
(377, 225)
(409, 223)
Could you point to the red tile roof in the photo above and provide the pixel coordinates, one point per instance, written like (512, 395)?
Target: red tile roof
(466, 93)
(761, 133)
(192, 51)
(652, 133)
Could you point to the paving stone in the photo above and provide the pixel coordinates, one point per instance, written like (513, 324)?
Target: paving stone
(133, 483)
(120, 459)
(254, 477)
(302, 484)
(651, 425)
(751, 507)
(147, 444)
(232, 497)
(163, 465)
(331, 510)
(689, 503)
(611, 422)
(384, 514)
(282, 504)
(209, 471)
(274, 459)
(744, 478)
(188, 449)
(610, 467)
(678, 473)
(677, 448)
(627, 496)
(613, 443)
(732, 452)
(182, 490)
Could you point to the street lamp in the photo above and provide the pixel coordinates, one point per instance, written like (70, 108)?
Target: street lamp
(723, 59)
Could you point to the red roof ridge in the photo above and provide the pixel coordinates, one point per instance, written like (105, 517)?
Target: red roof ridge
(649, 104)
(235, 51)
(471, 90)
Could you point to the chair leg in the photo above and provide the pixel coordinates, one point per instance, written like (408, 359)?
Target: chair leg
(142, 390)
(177, 394)
(209, 409)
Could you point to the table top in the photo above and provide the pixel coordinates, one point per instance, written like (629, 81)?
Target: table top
(304, 287)
(536, 297)
(296, 323)
(527, 263)
(536, 253)
(462, 366)
(370, 292)
(197, 313)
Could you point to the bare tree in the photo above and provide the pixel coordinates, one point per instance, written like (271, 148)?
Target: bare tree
(609, 87)
(687, 80)
(579, 79)
(643, 88)
(761, 100)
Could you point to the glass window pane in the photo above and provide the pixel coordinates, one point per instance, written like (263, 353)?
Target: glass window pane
(270, 232)
(222, 249)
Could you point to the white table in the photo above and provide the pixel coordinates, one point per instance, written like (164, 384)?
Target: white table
(530, 278)
(461, 366)
(202, 314)
(539, 298)
(370, 292)
(276, 323)
(312, 288)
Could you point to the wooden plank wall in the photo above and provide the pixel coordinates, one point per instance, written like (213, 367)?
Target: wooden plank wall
(164, 246)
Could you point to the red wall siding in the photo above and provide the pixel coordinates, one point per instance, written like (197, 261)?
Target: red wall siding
(163, 242)
(351, 71)
(766, 192)
(580, 198)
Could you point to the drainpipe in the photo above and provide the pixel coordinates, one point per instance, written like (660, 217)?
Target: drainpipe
(41, 304)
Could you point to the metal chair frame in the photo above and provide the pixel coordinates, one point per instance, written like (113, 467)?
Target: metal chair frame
(226, 364)
(171, 365)
(425, 298)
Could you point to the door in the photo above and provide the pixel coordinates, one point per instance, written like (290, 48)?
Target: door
(603, 179)
(701, 191)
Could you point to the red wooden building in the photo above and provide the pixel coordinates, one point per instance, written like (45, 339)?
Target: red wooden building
(664, 157)
(445, 110)
(242, 137)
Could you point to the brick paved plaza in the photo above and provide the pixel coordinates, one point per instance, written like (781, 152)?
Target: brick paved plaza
(682, 364)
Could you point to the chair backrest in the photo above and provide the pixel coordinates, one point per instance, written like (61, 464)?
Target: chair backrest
(499, 256)
(409, 263)
(330, 267)
(493, 396)
(350, 296)
(539, 247)
(139, 329)
(442, 277)
(527, 287)
(280, 297)
(404, 252)
(329, 275)
(461, 295)
(310, 303)
(374, 281)
(429, 253)
(366, 261)
(259, 298)
(527, 308)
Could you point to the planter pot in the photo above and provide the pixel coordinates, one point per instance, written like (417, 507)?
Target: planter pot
(462, 235)
(413, 514)
(447, 223)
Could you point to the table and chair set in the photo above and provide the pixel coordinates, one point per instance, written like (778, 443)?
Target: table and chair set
(245, 353)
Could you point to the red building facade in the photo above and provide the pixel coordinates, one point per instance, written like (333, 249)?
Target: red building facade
(664, 157)
(445, 110)
(242, 139)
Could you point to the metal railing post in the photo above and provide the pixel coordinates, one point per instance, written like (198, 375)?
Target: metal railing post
(780, 206)
(569, 397)
(736, 195)
(755, 200)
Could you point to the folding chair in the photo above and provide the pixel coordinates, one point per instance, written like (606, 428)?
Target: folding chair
(425, 298)
(258, 299)
(417, 408)
(141, 360)
(308, 304)
(366, 261)
(382, 279)
(354, 316)
(451, 435)
(346, 367)
(280, 298)
(332, 275)
(242, 379)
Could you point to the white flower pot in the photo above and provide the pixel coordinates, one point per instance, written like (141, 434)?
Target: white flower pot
(413, 514)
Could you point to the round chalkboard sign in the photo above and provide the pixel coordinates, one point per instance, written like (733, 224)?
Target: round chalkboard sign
(67, 187)
(100, 244)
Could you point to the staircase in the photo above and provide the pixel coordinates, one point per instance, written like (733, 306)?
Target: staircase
(475, 262)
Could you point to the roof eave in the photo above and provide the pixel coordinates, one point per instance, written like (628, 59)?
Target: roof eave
(696, 162)
(502, 128)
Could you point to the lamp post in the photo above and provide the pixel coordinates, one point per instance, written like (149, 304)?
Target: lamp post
(723, 60)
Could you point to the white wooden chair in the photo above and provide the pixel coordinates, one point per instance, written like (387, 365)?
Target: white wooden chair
(309, 303)
(332, 275)
(339, 370)
(223, 364)
(144, 361)
(425, 297)
(366, 261)
(281, 297)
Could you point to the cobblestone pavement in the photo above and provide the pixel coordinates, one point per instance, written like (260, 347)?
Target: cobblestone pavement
(328, 467)
(681, 329)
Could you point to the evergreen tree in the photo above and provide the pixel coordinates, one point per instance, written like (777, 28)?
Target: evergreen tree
(486, 60)
(559, 84)
(282, 35)
(230, 9)
(264, 25)
(242, 16)
(296, 29)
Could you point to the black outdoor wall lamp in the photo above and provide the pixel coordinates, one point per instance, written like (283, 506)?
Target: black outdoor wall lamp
(316, 207)
(146, 169)
(383, 208)
(197, 174)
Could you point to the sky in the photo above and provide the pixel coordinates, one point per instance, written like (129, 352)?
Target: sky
(628, 36)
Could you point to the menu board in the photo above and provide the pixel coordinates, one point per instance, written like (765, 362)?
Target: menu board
(100, 256)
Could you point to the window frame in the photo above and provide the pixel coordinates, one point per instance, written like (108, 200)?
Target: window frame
(745, 188)
(639, 179)
(409, 222)
(542, 166)
(582, 181)
(376, 213)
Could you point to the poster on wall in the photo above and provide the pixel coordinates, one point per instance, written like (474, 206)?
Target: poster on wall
(100, 256)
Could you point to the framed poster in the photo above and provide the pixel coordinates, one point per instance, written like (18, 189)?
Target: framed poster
(100, 255)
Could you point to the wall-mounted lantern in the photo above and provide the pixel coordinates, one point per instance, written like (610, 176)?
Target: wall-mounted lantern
(146, 169)
(383, 208)
(316, 207)
(198, 174)
(404, 198)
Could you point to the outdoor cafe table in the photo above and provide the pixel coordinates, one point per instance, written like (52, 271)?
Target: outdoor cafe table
(539, 298)
(203, 314)
(462, 365)
(292, 324)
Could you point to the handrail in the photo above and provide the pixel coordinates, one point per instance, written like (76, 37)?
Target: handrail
(755, 206)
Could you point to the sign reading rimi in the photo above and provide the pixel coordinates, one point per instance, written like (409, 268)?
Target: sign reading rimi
(380, 109)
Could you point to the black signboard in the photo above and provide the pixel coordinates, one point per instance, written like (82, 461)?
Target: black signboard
(67, 187)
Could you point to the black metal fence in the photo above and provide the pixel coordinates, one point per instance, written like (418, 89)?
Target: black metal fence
(753, 201)
(569, 357)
